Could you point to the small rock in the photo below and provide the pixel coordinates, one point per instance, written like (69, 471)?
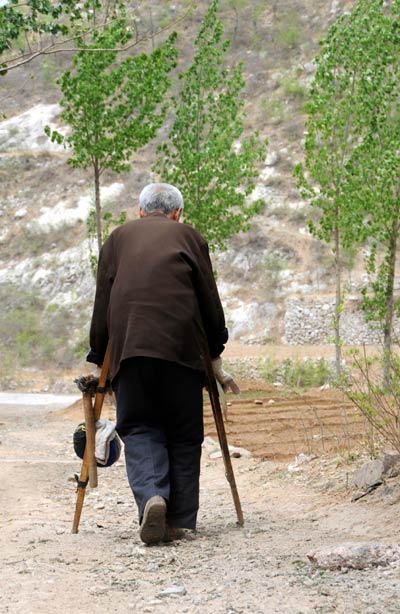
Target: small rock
(173, 591)
(391, 464)
(309, 68)
(18, 215)
(258, 402)
(238, 452)
(216, 454)
(271, 159)
(300, 460)
(369, 474)
(99, 590)
(356, 556)
(210, 445)
(153, 566)
(374, 471)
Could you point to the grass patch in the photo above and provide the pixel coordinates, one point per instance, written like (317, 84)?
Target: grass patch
(33, 333)
(297, 373)
(274, 263)
(290, 32)
(274, 108)
(293, 88)
(31, 243)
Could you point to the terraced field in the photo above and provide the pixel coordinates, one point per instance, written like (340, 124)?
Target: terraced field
(278, 425)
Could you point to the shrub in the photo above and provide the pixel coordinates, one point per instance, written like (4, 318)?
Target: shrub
(31, 332)
(274, 109)
(297, 373)
(377, 397)
(290, 30)
(293, 88)
(274, 264)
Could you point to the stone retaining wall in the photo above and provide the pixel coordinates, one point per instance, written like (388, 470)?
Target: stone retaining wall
(309, 321)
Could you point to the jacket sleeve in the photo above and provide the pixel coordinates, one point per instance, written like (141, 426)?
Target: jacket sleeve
(98, 326)
(211, 311)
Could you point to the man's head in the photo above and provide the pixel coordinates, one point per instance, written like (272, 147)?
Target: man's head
(161, 197)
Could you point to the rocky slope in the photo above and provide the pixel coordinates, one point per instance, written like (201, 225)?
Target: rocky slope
(275, 281)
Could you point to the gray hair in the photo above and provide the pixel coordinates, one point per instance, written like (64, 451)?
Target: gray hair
(160, 197)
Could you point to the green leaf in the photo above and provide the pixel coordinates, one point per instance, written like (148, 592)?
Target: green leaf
(206, 154)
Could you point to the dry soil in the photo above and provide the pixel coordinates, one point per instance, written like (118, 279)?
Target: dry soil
(260, 568)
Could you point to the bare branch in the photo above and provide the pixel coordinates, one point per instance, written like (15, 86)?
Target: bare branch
(51, 48)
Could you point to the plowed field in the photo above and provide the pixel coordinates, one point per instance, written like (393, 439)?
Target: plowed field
(278, 425)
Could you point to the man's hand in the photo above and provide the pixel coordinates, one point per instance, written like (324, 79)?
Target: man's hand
(225, 379)
(90, 383)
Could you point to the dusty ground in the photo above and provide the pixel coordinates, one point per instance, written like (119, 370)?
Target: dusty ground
(261, 568)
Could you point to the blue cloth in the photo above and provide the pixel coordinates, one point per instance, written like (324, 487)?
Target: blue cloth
(160, 420)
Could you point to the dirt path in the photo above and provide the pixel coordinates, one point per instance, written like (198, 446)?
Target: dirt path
(262, 568)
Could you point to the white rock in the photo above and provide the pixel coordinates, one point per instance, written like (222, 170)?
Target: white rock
(20, 213)
(300, 460)
(215, 455)
(271, 159)
(173, 591)
(26, 131)
(62, 214)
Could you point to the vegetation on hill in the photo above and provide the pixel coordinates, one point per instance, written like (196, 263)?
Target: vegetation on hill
(276, 43)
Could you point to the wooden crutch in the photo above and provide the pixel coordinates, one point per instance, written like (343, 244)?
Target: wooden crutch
(92, 414)
(223, 442)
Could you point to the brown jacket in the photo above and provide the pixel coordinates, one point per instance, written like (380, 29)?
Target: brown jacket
(155, 293)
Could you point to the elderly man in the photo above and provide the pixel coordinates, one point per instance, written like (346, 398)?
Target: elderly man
(157, 303)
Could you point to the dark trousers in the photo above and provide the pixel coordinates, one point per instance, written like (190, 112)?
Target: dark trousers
(160, 420)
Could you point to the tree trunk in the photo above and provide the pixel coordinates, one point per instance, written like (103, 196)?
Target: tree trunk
(235, 30)
(151, 27)
(97, 203)
(389, 300)
(338, 304)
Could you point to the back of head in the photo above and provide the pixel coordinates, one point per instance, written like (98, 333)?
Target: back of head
(162, 197)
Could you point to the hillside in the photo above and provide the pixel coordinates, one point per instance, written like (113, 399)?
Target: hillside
(275, 281)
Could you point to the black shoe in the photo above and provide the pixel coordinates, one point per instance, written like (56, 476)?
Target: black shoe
(173, 533)
(152, 529)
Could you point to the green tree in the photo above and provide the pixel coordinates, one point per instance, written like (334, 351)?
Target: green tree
(351, 159)
(237, 6)
(329, 143)
(205, 155)
(112, 108)
(376, 165)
